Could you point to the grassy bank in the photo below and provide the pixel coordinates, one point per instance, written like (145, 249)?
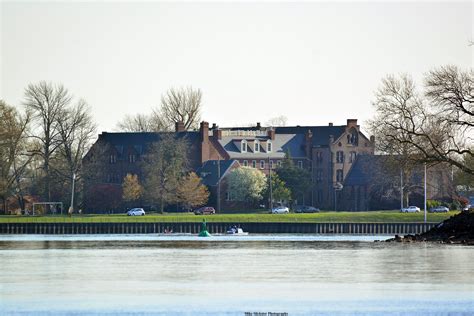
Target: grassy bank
(323, 217)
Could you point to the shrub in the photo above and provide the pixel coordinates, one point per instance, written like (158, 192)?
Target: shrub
(432, 203)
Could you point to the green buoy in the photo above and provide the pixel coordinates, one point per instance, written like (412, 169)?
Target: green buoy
(204, 232)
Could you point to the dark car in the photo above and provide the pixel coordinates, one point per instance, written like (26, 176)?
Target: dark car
(206, 210)
(306, 209)
(439, 209)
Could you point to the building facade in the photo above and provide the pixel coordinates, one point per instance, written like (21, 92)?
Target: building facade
(328, 152)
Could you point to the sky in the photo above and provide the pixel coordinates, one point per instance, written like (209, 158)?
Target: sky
(313, 62)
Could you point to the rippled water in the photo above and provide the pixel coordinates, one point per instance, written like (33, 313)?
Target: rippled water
(185, 275)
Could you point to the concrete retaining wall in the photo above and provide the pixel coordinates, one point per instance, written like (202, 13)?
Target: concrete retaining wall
(213, 228)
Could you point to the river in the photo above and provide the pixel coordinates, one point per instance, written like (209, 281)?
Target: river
(185, 275)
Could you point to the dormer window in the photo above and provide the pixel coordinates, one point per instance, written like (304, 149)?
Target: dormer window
(256, 146)
(132, 158)
(269, 146)
(243, 146)
(113, 159)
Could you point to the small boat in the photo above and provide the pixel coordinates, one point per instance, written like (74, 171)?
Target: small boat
(237, 231)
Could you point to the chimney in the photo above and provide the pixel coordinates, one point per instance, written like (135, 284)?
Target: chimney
(214, 126)
(179, 126)
(352, 122)
(308, 143)
(204, 135)
(330, 124)
(217, 133)
(271, 134)
(258, 125)
(204, 131)
(372, 139)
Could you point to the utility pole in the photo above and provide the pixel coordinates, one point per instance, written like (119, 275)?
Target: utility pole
(270, 204)
(401, 188)
(219, 184)
(425, 193)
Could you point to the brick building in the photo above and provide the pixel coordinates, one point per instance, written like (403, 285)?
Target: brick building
(328, 152)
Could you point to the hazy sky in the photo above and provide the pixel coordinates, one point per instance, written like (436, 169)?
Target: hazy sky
(314, 62)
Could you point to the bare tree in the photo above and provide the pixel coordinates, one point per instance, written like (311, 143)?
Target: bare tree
(76, 131)
(277, 121)
(47, 103)
(181, 105)
(144, 123)
(450, 91)
(432, 128)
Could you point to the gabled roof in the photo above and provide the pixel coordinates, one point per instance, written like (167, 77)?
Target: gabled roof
(139, 141)
(209, 171)
(280, 145)
(360, 173)
(320, 133)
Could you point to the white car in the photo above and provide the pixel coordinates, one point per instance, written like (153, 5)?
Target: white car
(136, 212)
(280, 210)
(410, 209)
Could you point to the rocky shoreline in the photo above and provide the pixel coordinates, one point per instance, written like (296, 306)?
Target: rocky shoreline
(458, 229)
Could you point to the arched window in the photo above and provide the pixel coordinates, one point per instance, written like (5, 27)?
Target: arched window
(353, 137)
(243, 146)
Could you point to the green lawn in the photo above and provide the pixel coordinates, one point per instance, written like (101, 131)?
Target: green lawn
(323, 217)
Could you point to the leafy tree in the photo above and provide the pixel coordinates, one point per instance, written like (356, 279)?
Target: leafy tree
(191, 192)
(298, 180)
(165, 164)
(14, 159)
(131, 188)
(280, 191)
(246, 184)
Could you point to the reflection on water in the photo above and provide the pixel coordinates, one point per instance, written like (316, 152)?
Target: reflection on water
(183, 275)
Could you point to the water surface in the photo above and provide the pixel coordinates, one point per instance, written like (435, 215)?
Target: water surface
(185, 275)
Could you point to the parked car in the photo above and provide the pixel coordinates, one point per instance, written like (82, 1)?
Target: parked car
(439, 209)
(410, 209)
(280, 210)
(206, 210)
(306, 209)
(136, 212)
(468, 207)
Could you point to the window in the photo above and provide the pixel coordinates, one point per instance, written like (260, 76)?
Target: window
(352, 137)
(113, 159)
(254, 163)
(272, 165)
(269, 146)
(243, 146)
(339, 175)
(340, 157)
(319, 157)
(319, 175)
(300, 164)
(229, 196)
(132, 158)
(262, 164)
(256, 146)
(246, 163)
(279, 163)
(353, 157)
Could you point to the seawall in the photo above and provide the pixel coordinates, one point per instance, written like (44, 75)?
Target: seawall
(216, 228)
